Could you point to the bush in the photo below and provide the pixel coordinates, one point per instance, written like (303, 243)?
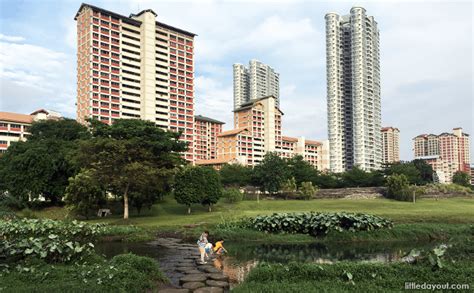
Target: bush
(232, 195)
(398, 188)
(142, 270)
(11, 202)
(307, 190)
(314, 224)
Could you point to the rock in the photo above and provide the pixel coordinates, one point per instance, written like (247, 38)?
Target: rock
(188, 272)
(209, 290)
(186, 268)
(211, 270)
(204, 267)
(193, 278)
(213, 283)
(218, 277)
(193, 285)
(173, 290)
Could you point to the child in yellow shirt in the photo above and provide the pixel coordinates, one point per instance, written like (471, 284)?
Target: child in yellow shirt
(219, 247)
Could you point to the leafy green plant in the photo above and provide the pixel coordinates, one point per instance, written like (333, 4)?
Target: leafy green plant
(307, 190)
(312, 223)
(52, 241)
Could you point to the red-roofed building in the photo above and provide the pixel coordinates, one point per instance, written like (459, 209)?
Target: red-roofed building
(15, 126)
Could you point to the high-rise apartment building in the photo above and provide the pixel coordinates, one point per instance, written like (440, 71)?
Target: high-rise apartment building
(257, 131)
(353, 91)
(15, 127)
(135, 67)
(390, 145)
(256, 81)
(205, 132)
(446, 153)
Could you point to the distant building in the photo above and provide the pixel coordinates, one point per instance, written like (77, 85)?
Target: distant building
(257, 131)
(15, 126)
(446, 153)
(353, 91)
(254, 82)
(472, 175)
(390, 145)
(205, 134)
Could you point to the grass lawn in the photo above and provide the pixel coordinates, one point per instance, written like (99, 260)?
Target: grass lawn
(171, 214)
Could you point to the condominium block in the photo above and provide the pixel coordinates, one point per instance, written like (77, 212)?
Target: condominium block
(15, 127)
(390, 145)
(256, 81)
(446, 153)
(205, 134)
(353, 91)
(135, 67)
(257, 131)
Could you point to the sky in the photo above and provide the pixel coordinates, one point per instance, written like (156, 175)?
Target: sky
(426, 58)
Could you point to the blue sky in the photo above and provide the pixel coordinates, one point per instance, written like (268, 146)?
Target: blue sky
(426, 57)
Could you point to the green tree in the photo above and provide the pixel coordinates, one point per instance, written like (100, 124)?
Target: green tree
(212, 187)
(426, 171)
(289, 187)
(130, 155)
(406, 168)
(462, 178)
(301, 170)
(356, 177)
(270, 174)
(307, 190)
(84, 193)
(327, 180)
(235, 175)
(197, 185)
(40, 166)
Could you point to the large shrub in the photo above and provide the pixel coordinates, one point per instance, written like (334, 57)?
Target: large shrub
(313, 223)
(232, 195)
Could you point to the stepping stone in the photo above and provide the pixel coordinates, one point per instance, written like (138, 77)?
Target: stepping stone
(209, 290)
(213, 283)
(188, 272)
(172, 290)
(218, 277)
(193, 285)
(212, 270)
(204, 266)
(185, 269)
(193, 278)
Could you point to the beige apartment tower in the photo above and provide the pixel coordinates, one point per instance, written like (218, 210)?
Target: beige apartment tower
(353, 91)
(390, 145)
(135, 67)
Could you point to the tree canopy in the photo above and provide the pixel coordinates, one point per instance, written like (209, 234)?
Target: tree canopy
(195, 185)
(130, 156)
(235, 175)
(40, 166)
(462, 178)
(270, 174)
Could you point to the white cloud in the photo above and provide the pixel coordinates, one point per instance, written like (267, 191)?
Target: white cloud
(11, 38)
(33, 77)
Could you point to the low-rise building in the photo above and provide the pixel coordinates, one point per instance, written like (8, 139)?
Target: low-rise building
(15, 126)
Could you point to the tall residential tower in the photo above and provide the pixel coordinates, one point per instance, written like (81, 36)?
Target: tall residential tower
(135, 67)
(353, 91)
(254, 82)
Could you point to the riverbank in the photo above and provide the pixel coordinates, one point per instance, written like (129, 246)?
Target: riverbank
(352, 277)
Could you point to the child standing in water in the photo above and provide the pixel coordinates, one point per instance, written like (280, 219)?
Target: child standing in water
(202, 245)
